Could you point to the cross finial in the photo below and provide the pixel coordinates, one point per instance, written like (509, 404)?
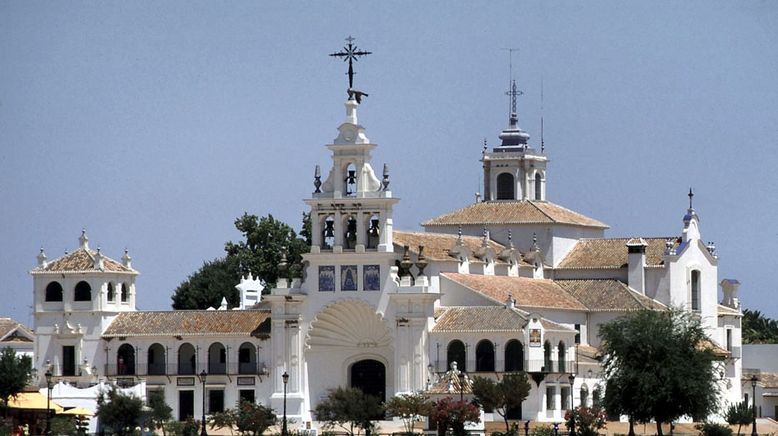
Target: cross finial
(513, 92)
(691, 196)
(351, 54)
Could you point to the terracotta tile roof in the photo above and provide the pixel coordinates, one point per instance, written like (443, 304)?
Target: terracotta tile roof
(611, 253)
(436, 245)
(82, 260)
(725, 310)
(718, 352)
(587, 354)
(766, 379)
(527, 292)
(608, 295)
(480, 319)
(513, 212)
(190, 323)
(551, 325)
(8, 326)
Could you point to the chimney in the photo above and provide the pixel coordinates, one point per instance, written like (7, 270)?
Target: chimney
(729, 287)
(636, 264)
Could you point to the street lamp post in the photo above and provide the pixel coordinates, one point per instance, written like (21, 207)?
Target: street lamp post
(571, 377)
(203, 376)
(48, 402)
(284, 431)
(753, 410)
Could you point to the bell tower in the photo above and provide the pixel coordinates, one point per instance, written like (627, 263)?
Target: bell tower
(513, 170)
(352, 208)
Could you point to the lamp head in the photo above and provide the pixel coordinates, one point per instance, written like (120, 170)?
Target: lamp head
(48, 376)
(754, 380)
(571, 377)
(285, 377)
(203, 376)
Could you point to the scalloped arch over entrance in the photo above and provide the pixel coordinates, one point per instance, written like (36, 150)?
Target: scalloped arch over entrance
(349, 323)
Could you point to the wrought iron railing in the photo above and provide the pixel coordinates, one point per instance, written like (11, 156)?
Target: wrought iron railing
(143, 369)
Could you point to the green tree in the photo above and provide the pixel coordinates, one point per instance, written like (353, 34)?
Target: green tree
(120, 413)
(159, 412)
(264, 241)
(349, 409)
(740, 414)
(657, 366)
(15, 372)
(507, 393)
(411, 408)
(759, 329)
(454, 414)
(254, 419)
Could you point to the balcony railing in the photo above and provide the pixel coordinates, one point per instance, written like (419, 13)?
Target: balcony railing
(232, 368)
(552, 367)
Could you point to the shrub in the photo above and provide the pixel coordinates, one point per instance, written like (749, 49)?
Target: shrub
(587, 420)
(542, 430)
(711, 429)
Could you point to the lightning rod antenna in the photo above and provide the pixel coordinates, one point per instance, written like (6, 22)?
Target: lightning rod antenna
(542, 144)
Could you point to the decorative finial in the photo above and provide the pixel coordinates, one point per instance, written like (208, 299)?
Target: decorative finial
(477, 197)
(126, 259)
(483, 152)
(421, 261)
(385, 182)
(510, 239)
(513, 92)
(535, 246)
(405, 263)
(485, 238)
(98, 261)
(459, 232)
(42, 259)
(691, 197)
(351, 54)
(317, 179)
(83, 240)
(283, 265)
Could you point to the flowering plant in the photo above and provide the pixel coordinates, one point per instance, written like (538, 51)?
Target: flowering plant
(587, 420)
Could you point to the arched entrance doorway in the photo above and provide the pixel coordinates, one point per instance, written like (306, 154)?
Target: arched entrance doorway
(369, 376)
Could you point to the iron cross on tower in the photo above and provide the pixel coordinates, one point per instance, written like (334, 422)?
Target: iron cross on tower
(513, 93)
(351, 54)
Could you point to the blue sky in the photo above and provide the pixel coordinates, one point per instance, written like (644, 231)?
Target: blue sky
(155, 124)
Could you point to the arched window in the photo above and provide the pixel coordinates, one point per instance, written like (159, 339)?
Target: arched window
(350, 182)
(217, 359)
(328, 233)
(514, 356)
(83, 292)
(54, 292)
(350, 236)
(156, 360)
(456, 353)
(125, 292)
(111, 292)
(547, 357)
(125, 360)
(484, 356)
(505, 187)
(186, 360)
(373, 232)
(695, 290)
(247, 359)
(561, 357)
(538, 187)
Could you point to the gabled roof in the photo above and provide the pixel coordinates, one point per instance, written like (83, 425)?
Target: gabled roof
(82, 260)
(437, 245)
(611, 253)
(479, 319)
(533, 293)
(13, 331)
(608, 295)
(190, 323)
(513, 212)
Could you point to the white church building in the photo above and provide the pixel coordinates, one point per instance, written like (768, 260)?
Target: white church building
(511, 282)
